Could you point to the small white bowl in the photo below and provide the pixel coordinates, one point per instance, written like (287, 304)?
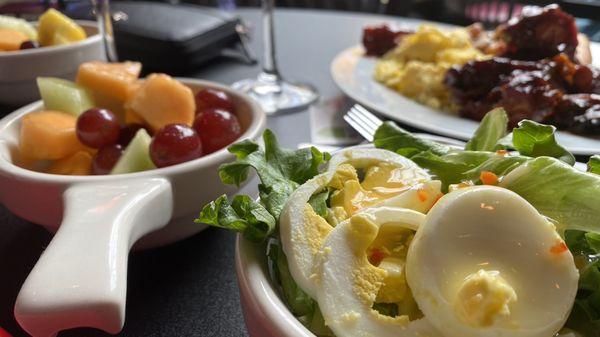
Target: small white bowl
(80, 279)
(265, 313)
(19, 69)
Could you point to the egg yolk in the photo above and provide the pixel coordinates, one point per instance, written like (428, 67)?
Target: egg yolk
(388, 251)
(380, 182)
(484, 298)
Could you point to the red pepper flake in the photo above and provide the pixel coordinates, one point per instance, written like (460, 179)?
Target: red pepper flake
(422, 194)
(488, 178)
(559, 247)
(376, 256)
(502, 152)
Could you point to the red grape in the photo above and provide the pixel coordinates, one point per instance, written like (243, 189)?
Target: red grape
(174, 144)
(217, 128)
(29, 45)
(98, 128)
(4, 333)
(128, 132)
(213, 98)
(106, 158)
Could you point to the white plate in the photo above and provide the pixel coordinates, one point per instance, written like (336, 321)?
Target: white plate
(353, 73)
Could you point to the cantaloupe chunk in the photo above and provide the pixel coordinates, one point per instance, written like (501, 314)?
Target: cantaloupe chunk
(55, 28)
(11, 39)
(78, 164)
(162, 100)
(131, 117)
(49, 135)
(109, 80)
(21, 25)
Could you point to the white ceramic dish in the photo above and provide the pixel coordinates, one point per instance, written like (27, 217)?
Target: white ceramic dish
(265, 314)
(19, 69)
(353, 73)
(80, 279)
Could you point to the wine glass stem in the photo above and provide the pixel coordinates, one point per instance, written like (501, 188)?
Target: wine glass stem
(269, 59)
(105, 28)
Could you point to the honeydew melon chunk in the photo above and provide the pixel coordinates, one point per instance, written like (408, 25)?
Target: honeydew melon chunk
(65, 96)
(136, 156)
(20, 25)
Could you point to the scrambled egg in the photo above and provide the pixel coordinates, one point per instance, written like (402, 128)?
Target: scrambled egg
(417, 66)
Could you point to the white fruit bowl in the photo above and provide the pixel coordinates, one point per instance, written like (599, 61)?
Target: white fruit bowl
(80, 279)
(19, 69)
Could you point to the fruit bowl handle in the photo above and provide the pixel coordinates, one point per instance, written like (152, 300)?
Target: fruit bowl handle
(81, 278)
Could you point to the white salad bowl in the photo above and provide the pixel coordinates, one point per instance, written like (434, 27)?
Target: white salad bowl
(19, 69)
(80, 279)
(264, 312)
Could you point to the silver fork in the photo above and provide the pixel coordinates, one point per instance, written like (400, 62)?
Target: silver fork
(363, 121)
(366, 123)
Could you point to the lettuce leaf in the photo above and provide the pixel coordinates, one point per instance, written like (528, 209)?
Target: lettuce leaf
(280, 170)
(585, 316)
(319, 202)
(243, 215)
(298, 301)
(459, 166)
(593, 164)
(490, 131)
(535, 140)
(391, 137)
(559, 191)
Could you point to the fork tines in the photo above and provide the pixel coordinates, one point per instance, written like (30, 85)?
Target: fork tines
(363, 121)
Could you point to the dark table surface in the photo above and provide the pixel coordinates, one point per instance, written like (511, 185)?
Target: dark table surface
(189, 288)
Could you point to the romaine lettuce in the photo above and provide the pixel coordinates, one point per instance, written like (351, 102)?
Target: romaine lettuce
(558, 191)
(490, 131)
(535, 140)
(585, 316)
(593, 164)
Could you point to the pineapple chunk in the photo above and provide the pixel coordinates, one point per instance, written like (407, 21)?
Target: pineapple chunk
(11, 40)
(56, 28)
(162, 100)
(49, 135)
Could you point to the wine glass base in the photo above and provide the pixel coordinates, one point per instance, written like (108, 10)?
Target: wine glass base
(278, 97)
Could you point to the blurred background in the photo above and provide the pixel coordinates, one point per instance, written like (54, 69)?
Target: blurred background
(490, 12)
(461, 12)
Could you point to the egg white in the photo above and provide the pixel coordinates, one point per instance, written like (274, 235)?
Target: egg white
(348, 283)
(299, 243)
(493, 229)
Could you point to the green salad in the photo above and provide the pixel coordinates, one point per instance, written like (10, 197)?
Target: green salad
(352, 239)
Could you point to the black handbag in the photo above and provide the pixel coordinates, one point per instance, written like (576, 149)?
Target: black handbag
(167, 37)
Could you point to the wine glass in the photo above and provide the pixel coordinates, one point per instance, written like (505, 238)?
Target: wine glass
(274, 94)
(101, 9)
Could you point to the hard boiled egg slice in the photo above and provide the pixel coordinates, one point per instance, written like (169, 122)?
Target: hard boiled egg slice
(303, 231)
(348, 284)
(486, 263)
